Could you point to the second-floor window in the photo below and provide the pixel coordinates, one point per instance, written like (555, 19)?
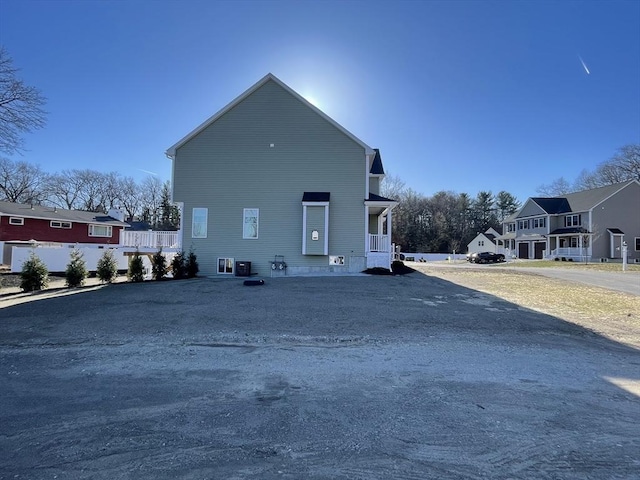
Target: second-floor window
(511, 227)
(572, 221)
(523, 224)
(539, 222)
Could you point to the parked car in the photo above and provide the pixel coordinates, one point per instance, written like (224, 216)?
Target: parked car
(485, 257)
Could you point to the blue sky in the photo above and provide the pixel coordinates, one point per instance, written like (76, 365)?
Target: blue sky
(458, 95)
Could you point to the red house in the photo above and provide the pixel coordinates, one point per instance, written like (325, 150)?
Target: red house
(24, 223)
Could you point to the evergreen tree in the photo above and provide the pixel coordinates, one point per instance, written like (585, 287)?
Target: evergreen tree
(192, 264)
(34, 274)
(107, 268)
(135, 273)
(159, 265)
(76, 272)
(506, 204)
(179, 266)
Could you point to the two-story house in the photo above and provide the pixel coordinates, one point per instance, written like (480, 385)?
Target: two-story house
(588, 225)
(272, 182)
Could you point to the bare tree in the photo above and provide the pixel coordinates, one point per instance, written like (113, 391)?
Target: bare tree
(393, 187)
(130, 197)
(21, 182)
(622, 167)
(627, 162)
(20, 107)
(64, 189)
(151, 197)
(558, 187)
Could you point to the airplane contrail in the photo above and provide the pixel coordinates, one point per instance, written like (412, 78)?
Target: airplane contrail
(584, 65)
(147, 171)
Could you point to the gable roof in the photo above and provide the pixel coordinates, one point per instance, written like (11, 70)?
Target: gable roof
(553, 205)
(57, 214)
(171, 151)
(376, 166)
(581, 201)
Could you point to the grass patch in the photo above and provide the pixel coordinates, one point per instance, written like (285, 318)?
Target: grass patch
(614, 314)
(603, 267)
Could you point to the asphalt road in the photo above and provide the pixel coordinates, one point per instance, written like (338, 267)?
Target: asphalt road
(359, 377)
(627, 282)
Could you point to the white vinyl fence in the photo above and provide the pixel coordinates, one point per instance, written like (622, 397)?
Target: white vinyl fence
(57, 258)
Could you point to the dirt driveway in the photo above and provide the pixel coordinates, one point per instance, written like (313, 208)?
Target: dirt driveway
(406, 377)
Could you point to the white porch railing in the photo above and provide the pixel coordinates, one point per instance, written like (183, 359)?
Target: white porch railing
(379, 243)
(571, 252)
(149, 239)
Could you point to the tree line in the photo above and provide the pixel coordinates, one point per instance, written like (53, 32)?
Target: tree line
(446, 221)
(90, 190)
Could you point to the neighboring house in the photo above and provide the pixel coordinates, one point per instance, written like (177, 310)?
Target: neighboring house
(271, 180)
(587, 225)
(28, 224)
(484, 242)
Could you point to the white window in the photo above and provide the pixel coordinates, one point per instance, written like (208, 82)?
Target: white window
(199, 223)
(481, 243)
(572, 221)
(511, 227)
(57, 224)
(225, 266)
(250, 217)
(99, 230)
(16, 221)
(523, 224)
(539, 222)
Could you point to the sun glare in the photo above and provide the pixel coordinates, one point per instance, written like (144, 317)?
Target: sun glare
(312, 100)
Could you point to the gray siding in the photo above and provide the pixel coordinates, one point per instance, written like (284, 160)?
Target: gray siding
(529, 209)
(620, 211)
(231, 165)
(374, 185)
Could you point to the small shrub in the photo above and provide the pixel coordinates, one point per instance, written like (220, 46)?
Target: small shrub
(192, 264)
(107, 268)
(76, 271)
(159, 265)
(135, 273)
(179, 266)
(34, 274)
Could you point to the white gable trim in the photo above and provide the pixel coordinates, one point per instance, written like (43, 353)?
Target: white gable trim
(531, 200)
(171, 151)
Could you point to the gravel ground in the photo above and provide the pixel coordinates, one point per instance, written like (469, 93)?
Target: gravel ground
(403, 377)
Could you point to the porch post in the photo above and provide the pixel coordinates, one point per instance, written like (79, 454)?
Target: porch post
(366, 229)
(389, 231)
